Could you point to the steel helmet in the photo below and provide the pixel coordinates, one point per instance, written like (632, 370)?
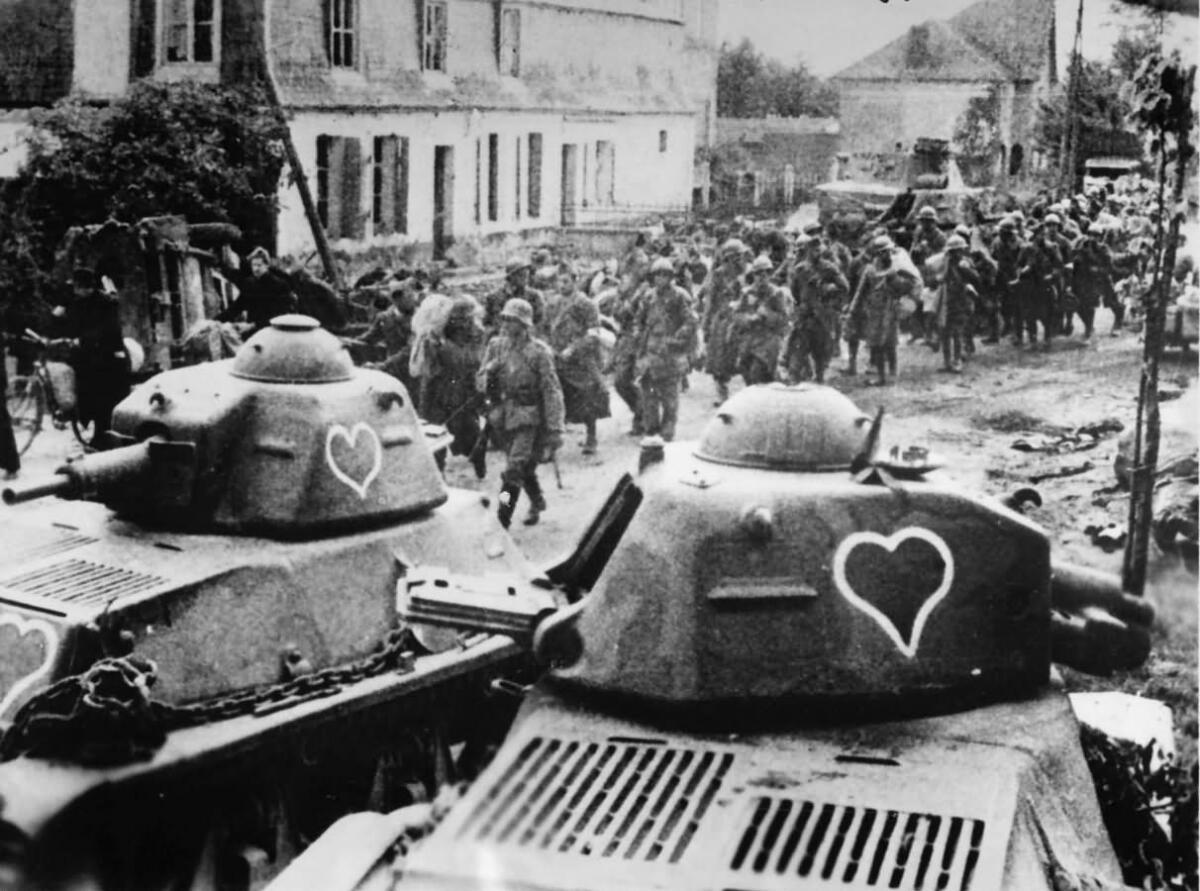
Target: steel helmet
(881, 243)
(519, 311)
(1008, 223)
(662, 264)
(516, 264)
(762, 263)
(956, 243)
(964, 230)
(733, 246)
(926, 213)
(1052, 219)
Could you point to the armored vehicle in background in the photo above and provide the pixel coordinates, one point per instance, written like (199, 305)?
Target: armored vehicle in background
(803, 666)
(201, 661)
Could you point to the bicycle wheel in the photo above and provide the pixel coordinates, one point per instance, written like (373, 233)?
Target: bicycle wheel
(26, 400)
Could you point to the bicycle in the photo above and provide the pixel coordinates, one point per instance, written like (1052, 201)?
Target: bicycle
(32, 397)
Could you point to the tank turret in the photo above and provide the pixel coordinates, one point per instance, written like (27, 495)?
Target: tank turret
(288, 439)
(778, 560)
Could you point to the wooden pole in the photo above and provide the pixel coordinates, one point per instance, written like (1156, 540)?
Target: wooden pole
(293, 157)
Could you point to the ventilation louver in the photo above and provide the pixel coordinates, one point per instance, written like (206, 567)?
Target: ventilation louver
(80, 582)
(836, 845)
(25, 544)
(621, 799)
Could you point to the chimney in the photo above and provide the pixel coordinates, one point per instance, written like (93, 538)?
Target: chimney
(918, 47)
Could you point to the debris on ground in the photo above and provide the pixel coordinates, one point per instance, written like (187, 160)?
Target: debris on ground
(1080, 439)
(1108, 537)
(1069, 470)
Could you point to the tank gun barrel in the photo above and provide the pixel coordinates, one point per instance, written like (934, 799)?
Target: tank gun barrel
(84, 477)
(1096, 626)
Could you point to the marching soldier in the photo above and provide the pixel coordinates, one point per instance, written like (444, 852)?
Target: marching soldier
(526, 406)
(876, 302)
(1006, 250)
(1040, 270)
(577, 353)
(719, 294)
(665, 330)
(760, 322)
(956, 308)
(516, 286)
(819, 290)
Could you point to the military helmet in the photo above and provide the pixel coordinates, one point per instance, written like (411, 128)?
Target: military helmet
(964, 230)
(927, 213)
(881, 243)
(804, 240)
(662, 264)
(813, 229)
(734, 246)
(956, 243)
(762, 263)
(519, 311)
(516, 264)
(1008, 223)
(1052, 219)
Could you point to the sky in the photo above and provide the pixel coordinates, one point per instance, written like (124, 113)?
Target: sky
(828, 35)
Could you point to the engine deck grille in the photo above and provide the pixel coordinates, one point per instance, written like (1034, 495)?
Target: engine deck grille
(860, 846)
(80, 582)
(623, 799)
(24, 544)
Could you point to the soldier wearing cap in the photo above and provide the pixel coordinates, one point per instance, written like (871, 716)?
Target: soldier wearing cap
(99, 358)
(720, 293)
(578, 359)
(516, 286)
(665, 330)
(526, 406)
(1006, 250)
(819, 291)
(1039, 271)
(877, 299)
(956, 304)
(263, 292)
(927, 238)
(761, 319)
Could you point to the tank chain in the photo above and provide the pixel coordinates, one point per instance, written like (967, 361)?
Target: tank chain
(106, 715)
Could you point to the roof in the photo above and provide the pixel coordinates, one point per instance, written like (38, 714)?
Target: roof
(37, 52)
(929, 51)
(992, 40)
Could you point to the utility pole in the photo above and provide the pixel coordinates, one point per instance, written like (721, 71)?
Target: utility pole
(1070, 139)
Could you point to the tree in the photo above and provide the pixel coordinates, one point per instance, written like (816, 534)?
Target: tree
(1102, 112)
(208, 153)
(751, 86)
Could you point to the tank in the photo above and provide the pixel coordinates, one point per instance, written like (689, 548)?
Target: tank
(201, 660)
(801, 664)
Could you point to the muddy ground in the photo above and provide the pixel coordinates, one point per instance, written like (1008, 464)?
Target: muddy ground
(972, 422)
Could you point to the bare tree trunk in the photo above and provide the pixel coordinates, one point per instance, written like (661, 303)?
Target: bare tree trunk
(1149, 422)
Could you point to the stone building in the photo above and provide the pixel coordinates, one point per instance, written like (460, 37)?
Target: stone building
(421, 124)
(920, 85)
(772, 162)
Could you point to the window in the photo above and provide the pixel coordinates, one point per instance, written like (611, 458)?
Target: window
(517, 190)
(339, 186)
(433, 43)
(478, 181)
(605, 181)
(389, 204)
(534, 203)
(510, 42)
(189, 30)
(493, 202)
(662, 140)
(339, 32)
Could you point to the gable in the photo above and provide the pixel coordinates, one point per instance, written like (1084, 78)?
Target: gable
(1017, 33)
(933, 51)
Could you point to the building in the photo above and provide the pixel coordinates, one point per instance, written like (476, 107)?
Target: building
(920, 85)
(426, 124)
(772, 162)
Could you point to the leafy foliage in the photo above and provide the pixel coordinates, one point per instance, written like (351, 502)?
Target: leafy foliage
(1132, 793)
(1102, 111)
(751, 86)
(977, 131)
(211, 154)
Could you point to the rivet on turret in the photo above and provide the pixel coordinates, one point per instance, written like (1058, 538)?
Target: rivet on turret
(158, 400)
(758, 524)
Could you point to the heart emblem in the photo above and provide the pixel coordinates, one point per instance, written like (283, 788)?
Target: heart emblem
(26, 643)
(349, 467)
(897, 580)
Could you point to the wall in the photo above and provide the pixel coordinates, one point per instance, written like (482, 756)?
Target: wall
(102, 48)
(876, 115)
(643, 177)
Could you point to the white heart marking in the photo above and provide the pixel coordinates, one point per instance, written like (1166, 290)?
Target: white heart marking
(49, 635)
(891, 542)
(337, 431)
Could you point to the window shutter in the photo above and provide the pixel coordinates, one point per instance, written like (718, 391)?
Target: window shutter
(144, 30)
(401, 208)
(352, 168)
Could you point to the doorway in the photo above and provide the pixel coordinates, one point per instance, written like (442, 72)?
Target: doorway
(570, 177)
(443, 200)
